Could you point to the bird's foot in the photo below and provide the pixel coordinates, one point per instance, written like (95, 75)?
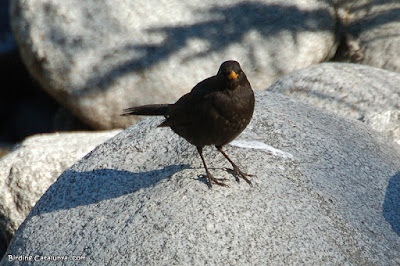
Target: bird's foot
(212, 180)
(236, 172)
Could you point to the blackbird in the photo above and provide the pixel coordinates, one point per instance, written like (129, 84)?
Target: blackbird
(215, 112)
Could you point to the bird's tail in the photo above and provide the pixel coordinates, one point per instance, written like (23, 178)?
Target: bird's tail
(150, 109)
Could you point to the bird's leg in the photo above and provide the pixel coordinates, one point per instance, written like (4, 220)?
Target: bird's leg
(235, 171)
(209, 177)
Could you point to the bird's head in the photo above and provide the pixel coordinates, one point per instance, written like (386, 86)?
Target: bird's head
(231, 73)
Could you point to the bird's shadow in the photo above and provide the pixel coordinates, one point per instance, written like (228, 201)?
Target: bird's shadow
(391, 205)
(75, 188)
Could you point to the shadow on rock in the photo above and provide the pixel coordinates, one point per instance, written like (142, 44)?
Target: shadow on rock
(75, 188)
(228, 26)
(391, 205)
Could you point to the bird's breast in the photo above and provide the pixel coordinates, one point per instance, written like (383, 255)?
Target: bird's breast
(234, 111)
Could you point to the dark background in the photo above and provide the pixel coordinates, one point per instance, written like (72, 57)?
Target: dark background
(25, 109)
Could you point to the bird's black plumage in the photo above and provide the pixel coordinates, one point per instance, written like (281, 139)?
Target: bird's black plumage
(215, 112)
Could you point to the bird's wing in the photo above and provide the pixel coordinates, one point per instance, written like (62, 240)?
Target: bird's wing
(192, 107)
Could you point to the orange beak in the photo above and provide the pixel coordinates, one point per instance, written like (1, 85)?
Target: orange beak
(233, 75)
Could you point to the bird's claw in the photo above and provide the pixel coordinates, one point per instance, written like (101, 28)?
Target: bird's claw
(236, 172)
(212, 180)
